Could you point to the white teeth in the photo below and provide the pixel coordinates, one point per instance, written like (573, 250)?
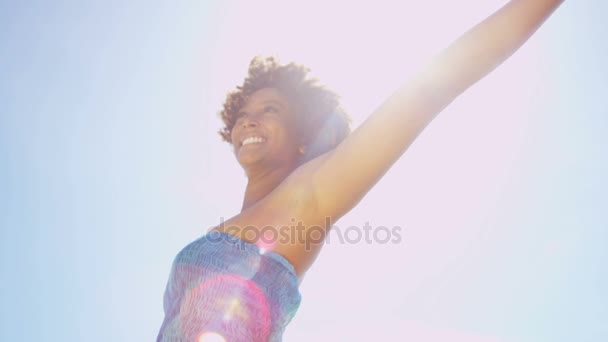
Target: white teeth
(252, 140)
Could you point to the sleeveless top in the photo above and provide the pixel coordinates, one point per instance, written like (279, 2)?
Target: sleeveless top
(222, 288)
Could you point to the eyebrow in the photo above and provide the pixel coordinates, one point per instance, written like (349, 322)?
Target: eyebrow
(275, 102)
(279, 104)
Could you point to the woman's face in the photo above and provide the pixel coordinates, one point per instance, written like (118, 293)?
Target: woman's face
(265, 131)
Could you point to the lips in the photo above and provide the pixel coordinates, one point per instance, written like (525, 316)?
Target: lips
(252, 139)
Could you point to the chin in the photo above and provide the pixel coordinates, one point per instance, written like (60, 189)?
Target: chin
(248, 159)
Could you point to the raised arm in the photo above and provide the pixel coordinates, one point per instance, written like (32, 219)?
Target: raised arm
(343, 176)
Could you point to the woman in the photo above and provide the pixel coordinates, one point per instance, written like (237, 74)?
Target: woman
(305, 171)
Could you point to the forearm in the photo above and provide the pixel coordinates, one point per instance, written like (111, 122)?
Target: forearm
(341, 178)
(484, 47)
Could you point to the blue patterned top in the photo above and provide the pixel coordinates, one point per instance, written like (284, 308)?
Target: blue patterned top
(222, 288)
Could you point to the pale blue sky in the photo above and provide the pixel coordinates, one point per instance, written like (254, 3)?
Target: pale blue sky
(110, 164)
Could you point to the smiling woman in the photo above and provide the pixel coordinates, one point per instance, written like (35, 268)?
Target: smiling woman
(311, 112)
(262, 130)
(305, 171)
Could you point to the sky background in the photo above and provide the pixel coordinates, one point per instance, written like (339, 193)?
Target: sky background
(110, 163)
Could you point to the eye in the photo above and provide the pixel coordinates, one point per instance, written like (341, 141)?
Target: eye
(271, 109)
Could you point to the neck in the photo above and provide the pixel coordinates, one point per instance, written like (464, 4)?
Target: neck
(261, 183)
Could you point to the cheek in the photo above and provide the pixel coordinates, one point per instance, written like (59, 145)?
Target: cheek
(296, 136)
(233, 136)
(235, 146)
(289, 137)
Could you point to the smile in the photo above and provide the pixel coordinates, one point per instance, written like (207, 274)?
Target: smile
(253, 140)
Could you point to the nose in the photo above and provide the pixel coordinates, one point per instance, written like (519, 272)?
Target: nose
(249, 122)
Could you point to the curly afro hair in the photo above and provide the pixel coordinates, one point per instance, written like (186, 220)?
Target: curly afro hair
(322, 123)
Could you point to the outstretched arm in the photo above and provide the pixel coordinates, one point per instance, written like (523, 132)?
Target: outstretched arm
(343, 176)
